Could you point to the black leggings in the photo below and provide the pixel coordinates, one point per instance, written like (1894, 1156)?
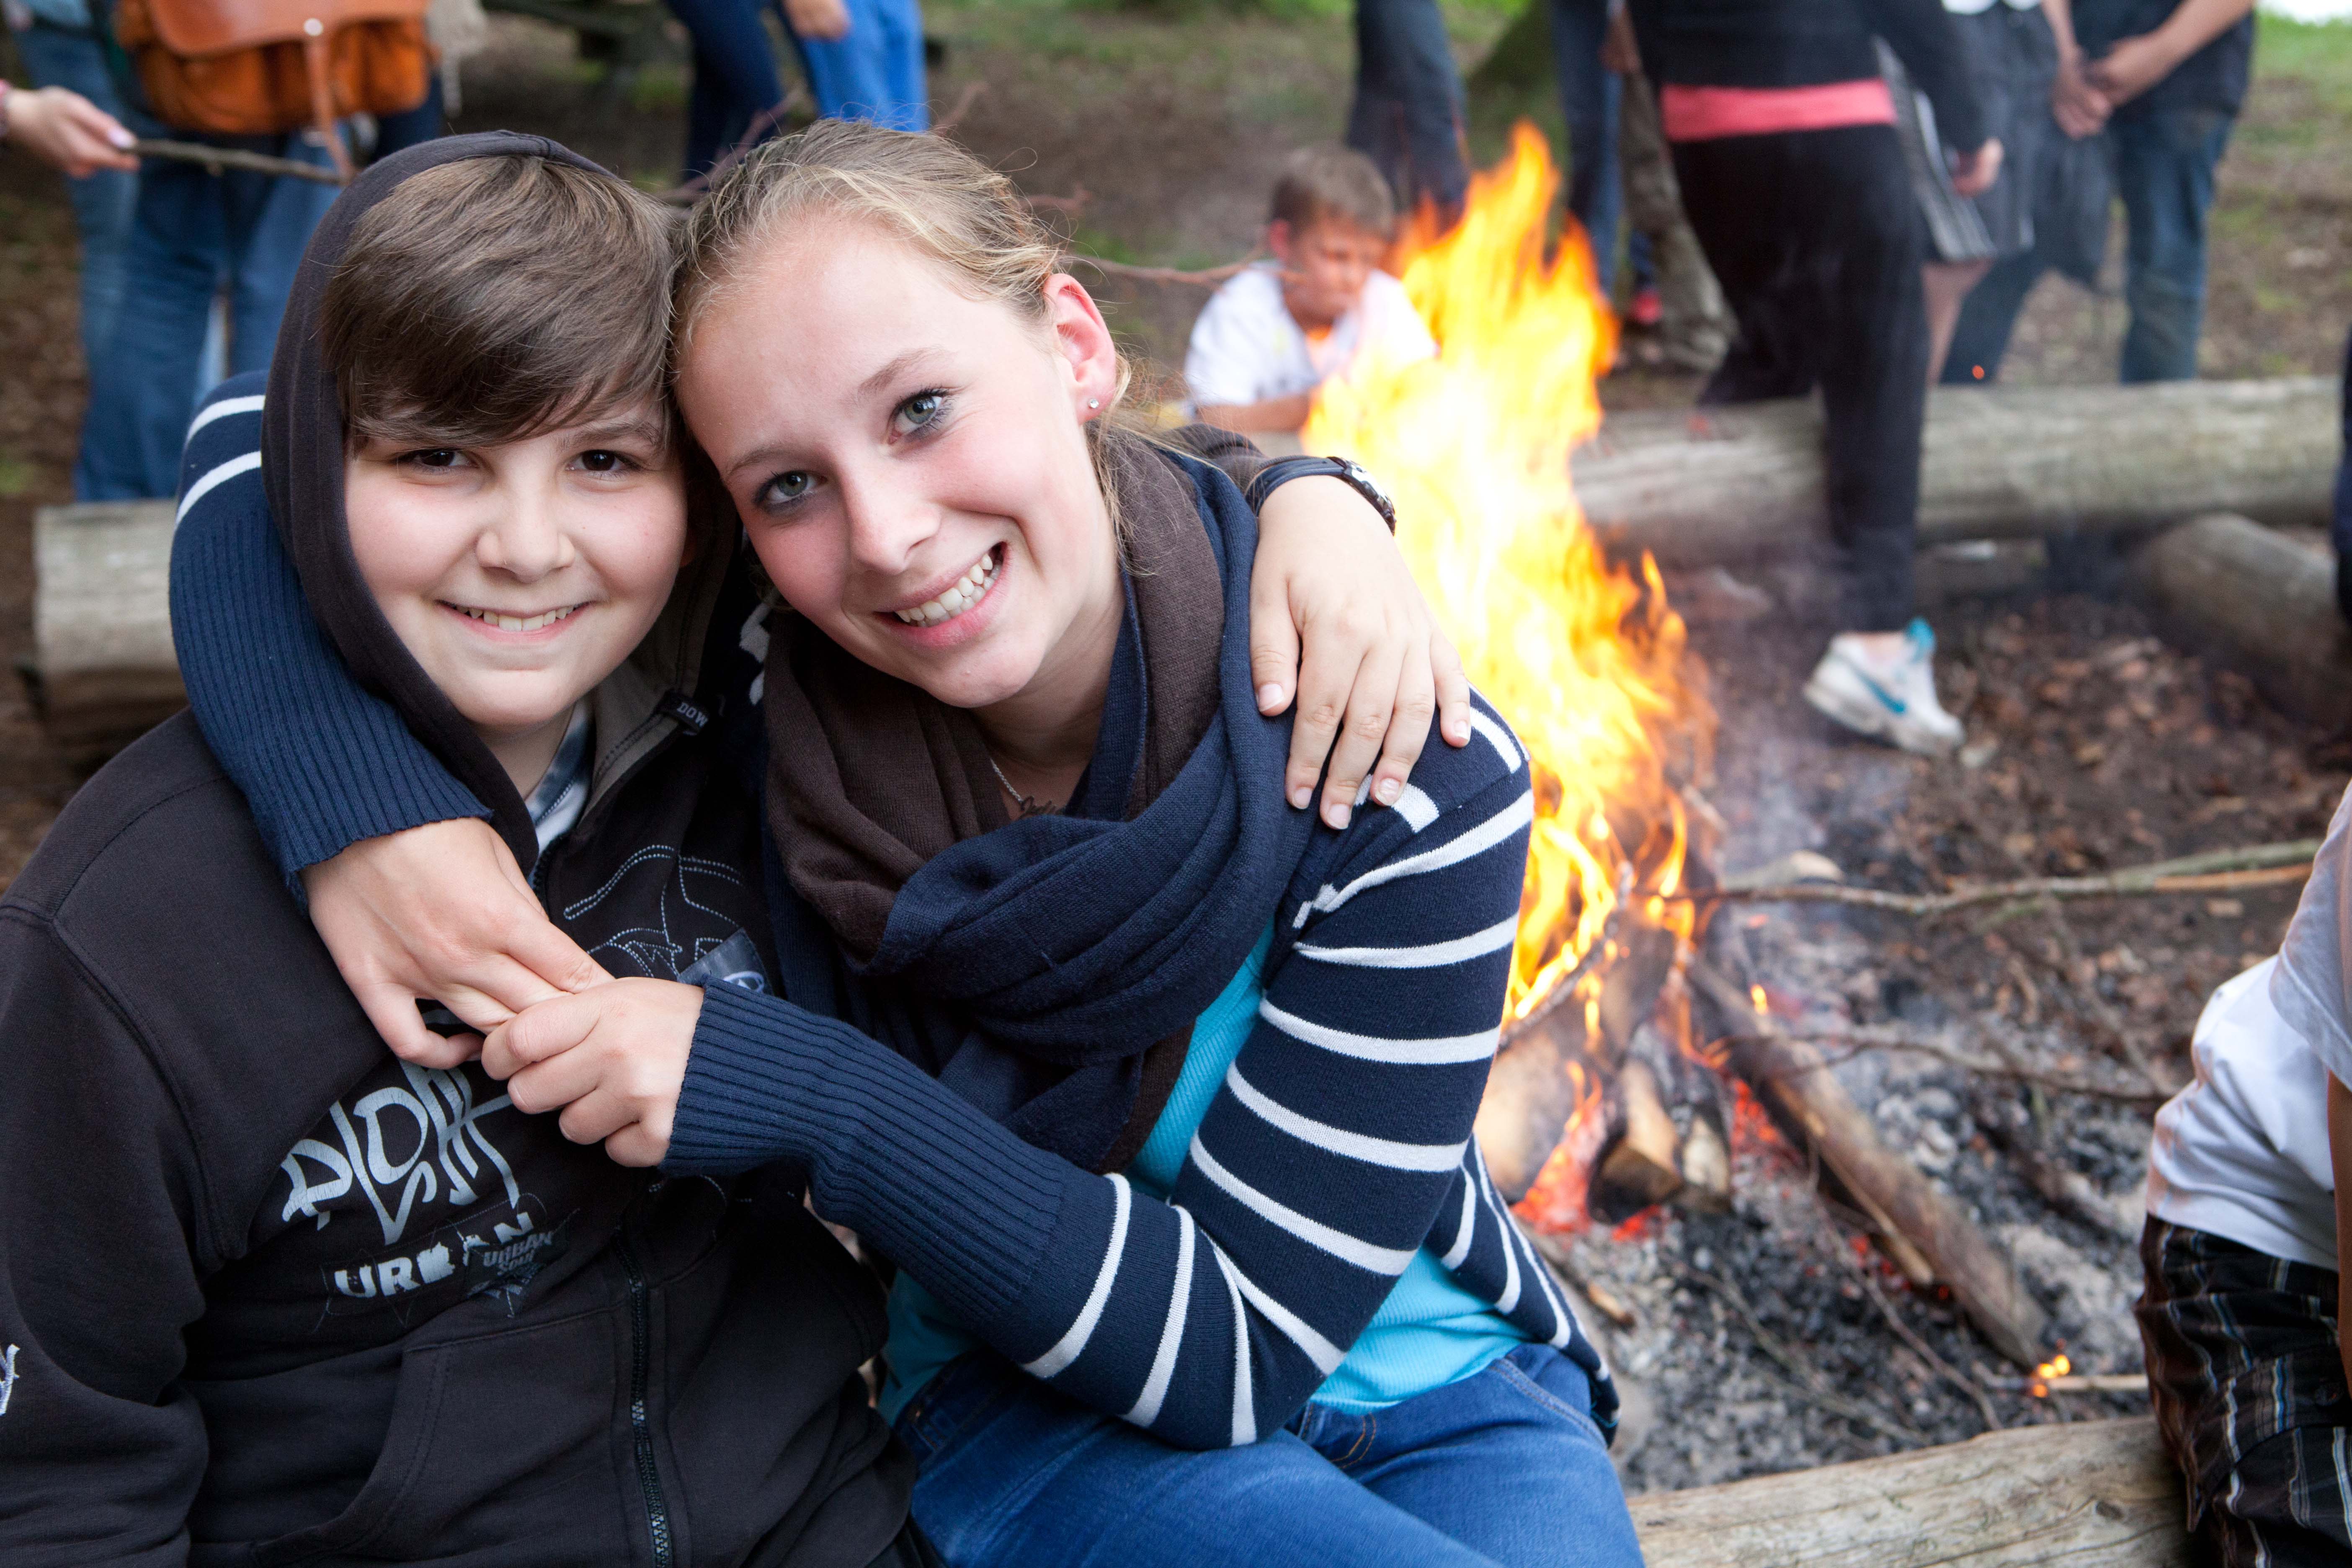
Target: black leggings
(1814, 236)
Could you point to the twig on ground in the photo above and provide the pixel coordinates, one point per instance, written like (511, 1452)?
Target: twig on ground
(1207, 280)
(1804, 1380)
(964, 100)
(1904, 1331)
(695, 189)
(2222, 870)
(1073, 203)
(1894, 1037)
(219, 158)
(2073, 1383)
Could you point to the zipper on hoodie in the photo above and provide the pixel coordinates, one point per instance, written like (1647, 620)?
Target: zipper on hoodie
(641, 1426)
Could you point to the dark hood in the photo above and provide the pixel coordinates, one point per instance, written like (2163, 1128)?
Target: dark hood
(302, 444)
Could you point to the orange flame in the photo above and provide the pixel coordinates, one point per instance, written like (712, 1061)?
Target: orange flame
(1585, 658)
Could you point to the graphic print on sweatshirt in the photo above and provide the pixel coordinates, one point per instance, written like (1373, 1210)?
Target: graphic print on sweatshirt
(418, 1179)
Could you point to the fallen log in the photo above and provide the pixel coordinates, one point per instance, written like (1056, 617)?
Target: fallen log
(1921, 1229)
(2258, 601)
(1712, 486)
(102, 669)
(2090, 1494)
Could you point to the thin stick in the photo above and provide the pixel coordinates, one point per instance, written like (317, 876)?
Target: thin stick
(1926, 1352)
(954, 116)
(2074, 1383)
(1872, 1037)
(219, 158)
(1207, 280)
(1605, 1301)
(2221, 871)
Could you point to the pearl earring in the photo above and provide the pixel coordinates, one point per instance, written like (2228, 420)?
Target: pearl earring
(1094, 403)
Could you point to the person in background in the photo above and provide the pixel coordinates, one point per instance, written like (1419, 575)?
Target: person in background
(1278, 330)
(863, 59)
(61, 51)
(1783, 140)
(2342, 530)
(1591, 93)
(2248, 1198)
(1407, 113)
(2166, 78)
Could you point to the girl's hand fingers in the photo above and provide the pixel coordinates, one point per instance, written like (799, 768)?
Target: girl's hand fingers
(1453, 689)
(1329, 673)
(1274, 645)
(392, 1008)
(641, 1145)
(1416, 700)
(1372, 705)
(538, 1034)
(595, 1116)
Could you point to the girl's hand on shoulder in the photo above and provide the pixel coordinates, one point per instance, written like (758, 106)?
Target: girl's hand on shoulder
(613, 1057)
(440, 912)
(1338, 624)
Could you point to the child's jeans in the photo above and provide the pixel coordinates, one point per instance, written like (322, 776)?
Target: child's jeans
(2249, 1395)
(1504, 1467)
(875, 71)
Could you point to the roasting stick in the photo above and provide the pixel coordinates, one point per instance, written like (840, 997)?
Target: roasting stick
(218, 158)
(2216, 871)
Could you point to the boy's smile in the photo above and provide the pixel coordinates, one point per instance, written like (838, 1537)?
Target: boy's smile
(521, 574)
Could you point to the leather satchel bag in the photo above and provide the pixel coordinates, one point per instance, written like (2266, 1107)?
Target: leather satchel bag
(260, 68)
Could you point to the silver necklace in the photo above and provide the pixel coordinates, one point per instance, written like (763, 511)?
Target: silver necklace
(1029, 803)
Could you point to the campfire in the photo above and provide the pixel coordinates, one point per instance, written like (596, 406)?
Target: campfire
(1599, 1099)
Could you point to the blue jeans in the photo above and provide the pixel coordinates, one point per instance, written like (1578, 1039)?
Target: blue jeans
(2163, 164)
(1505, 1467)
(875, 72)
(195, 235)
(103, 202)
(1407, 113)
(1589, 96)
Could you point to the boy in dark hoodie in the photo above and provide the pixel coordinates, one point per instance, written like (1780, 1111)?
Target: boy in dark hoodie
(267, 1293)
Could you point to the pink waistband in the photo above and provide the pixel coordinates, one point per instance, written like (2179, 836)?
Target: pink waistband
(1709, 113)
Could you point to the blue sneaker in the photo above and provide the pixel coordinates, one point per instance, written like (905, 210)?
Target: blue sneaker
(1893, 700)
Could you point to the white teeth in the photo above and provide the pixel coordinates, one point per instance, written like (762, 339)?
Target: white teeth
(516, 623)
(967, 591)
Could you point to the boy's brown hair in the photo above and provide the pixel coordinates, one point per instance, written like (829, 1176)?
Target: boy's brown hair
(1318, 184)
(486, 301)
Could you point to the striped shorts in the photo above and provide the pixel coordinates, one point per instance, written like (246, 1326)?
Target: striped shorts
(2249, 1395)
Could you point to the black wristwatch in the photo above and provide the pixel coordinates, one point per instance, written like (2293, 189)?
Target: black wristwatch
(1282, 471)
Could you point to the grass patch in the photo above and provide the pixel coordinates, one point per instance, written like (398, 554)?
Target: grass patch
(17, 477)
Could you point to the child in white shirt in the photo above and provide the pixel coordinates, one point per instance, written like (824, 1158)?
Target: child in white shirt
(2240, 1255)
(1279, 329)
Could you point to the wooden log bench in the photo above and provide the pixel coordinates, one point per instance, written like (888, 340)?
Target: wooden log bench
(102, 669)
(2088, 1494)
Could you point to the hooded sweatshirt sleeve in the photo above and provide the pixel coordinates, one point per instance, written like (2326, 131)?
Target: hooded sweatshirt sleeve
(1923, 36)
(322, 761)
(100, 1449)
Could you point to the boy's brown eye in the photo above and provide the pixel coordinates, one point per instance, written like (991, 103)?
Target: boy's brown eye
(601, 462)
(436, 458)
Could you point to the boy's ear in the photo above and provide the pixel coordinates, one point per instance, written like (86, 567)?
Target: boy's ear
(1277, 240)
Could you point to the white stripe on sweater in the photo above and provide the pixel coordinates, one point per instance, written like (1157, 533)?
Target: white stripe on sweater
(1467, 1231)
(1244, 1407)
(1510, 1295)
(1415, 806)
(1172, 1332)
(1387, 1260)
(1434, 956)
(227, 408)
(1440, 1052)
(1496, 829)
(1326, 1355)
(1338, 1140)
(1495, 735)
(1074, 1342)
(213, 480)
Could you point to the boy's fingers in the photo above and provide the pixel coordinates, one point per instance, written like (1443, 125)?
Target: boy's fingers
(1274, 645)
(548, 1030)
(1416, 699)
(1370, 703)
(558, 1081)
(1453, 689)
(393, 1010)
(595, 1116)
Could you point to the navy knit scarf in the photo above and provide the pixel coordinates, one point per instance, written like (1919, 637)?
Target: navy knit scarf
(1033, 964)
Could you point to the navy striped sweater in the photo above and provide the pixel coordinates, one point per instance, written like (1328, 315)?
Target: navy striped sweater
(1338, 1146)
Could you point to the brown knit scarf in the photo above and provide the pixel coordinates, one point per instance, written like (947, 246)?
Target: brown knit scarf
(869, 777)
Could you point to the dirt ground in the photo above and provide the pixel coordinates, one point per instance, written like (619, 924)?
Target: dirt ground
(2097, 745)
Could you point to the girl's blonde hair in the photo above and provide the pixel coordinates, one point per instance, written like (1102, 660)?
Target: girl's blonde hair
(921, 189)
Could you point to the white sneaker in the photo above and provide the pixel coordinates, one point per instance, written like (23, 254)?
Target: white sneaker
(1894, 701)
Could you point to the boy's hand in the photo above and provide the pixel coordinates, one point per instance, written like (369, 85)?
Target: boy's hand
(614, 1057)
(1973, 174)
(2080, 109)
(440, 911)
(825, 20)
(1374, 662)
(2133, 66)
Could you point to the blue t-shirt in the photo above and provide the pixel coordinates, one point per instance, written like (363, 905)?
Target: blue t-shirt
(1430, 1332)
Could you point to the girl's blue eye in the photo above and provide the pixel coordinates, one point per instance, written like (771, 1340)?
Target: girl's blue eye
(787, 488)
(921, 411)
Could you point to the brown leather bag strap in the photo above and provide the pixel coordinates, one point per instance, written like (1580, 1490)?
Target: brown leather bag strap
(315, 64)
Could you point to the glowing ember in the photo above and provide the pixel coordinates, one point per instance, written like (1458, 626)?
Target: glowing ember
(2056, 1366)
(1585, 658)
